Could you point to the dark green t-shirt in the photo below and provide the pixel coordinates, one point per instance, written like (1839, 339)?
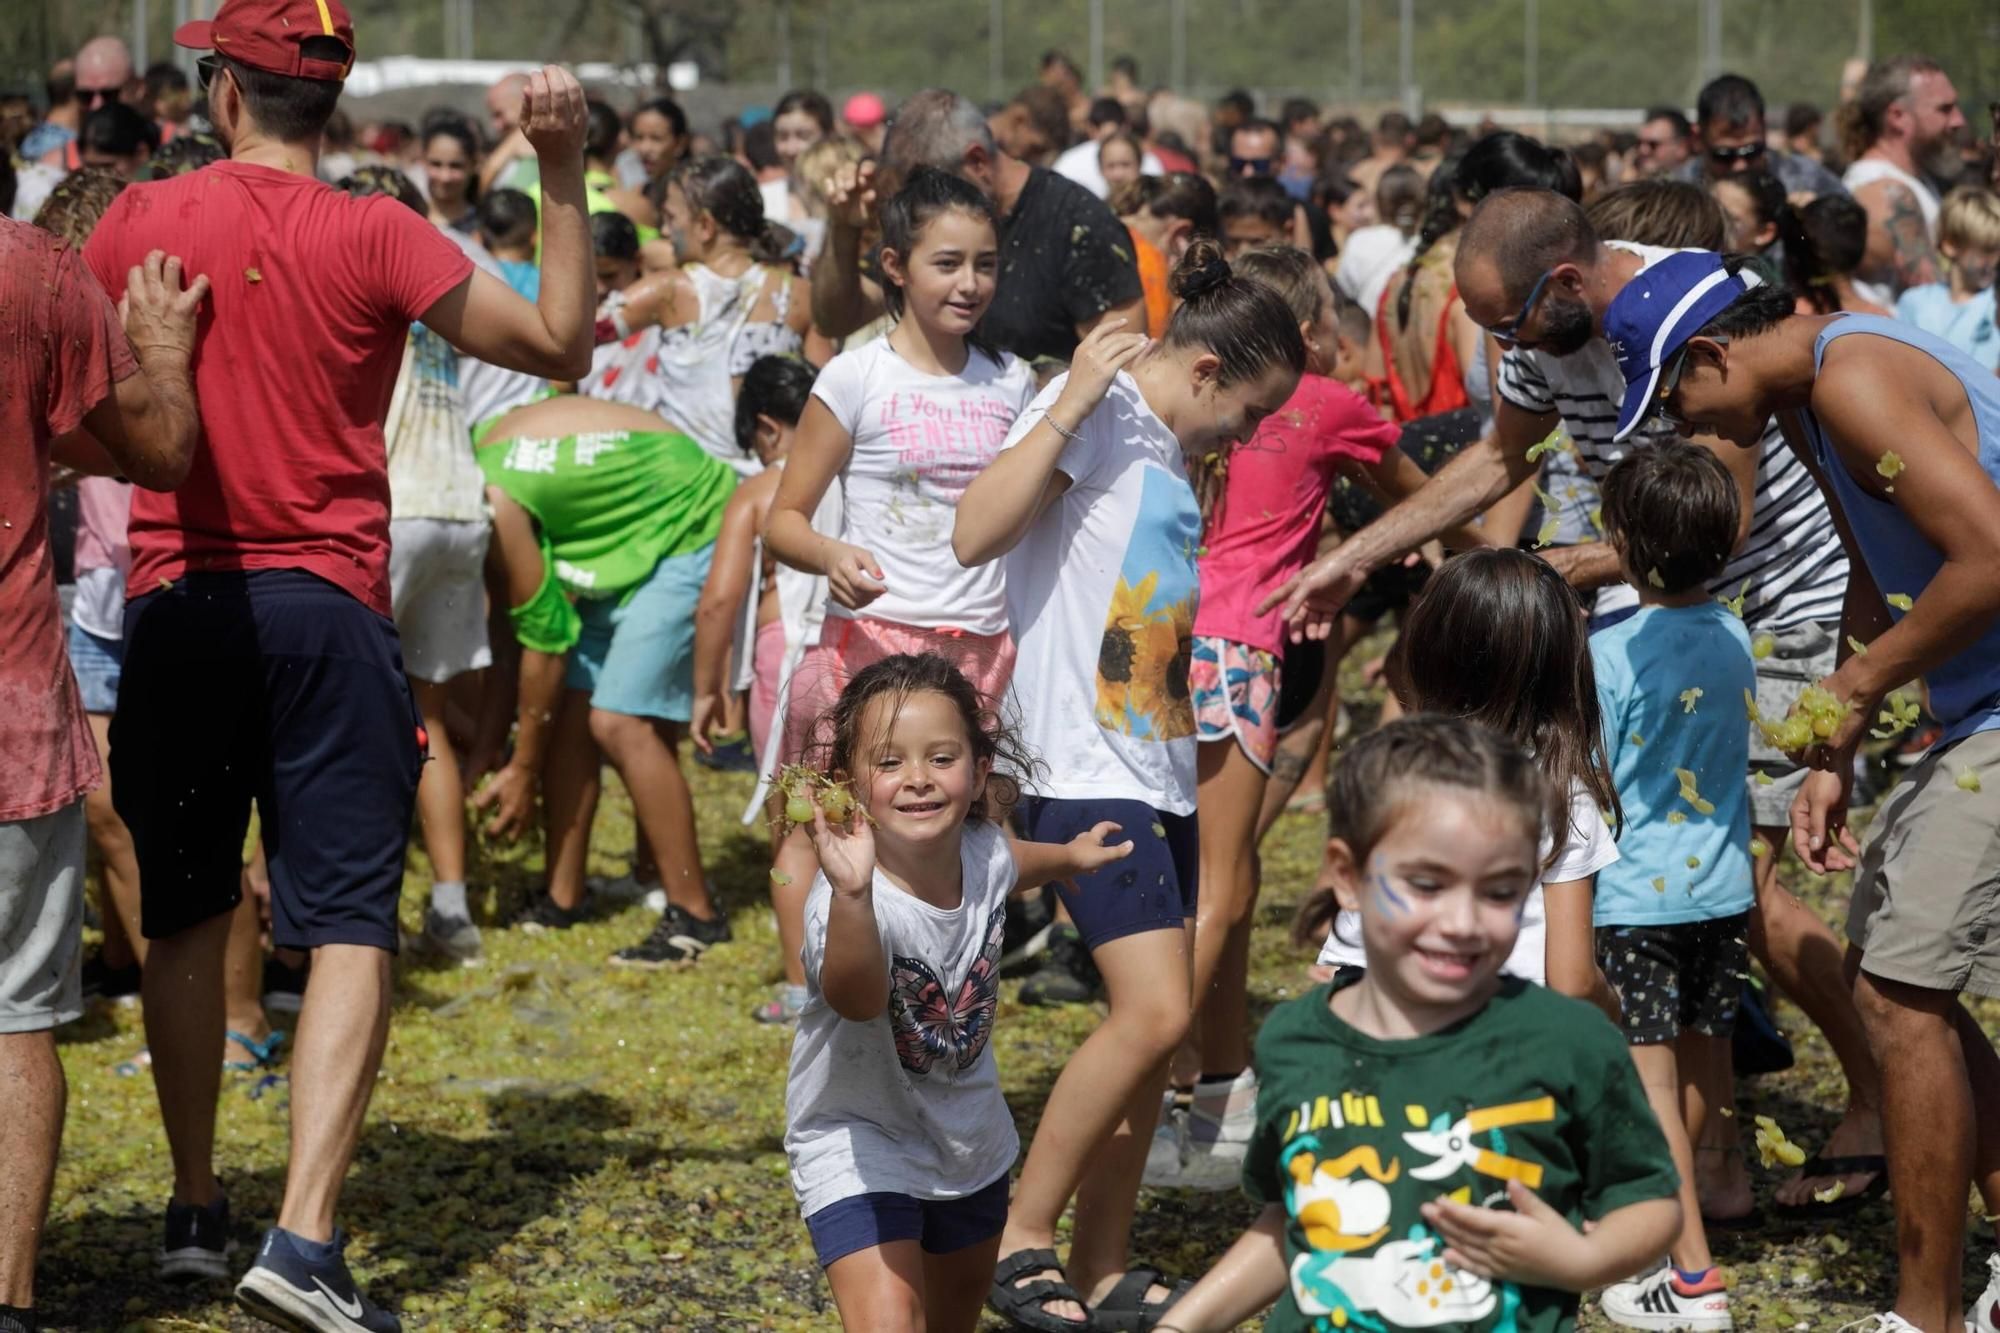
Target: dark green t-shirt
(1353, 1134)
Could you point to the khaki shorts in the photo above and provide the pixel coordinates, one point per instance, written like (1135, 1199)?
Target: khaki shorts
(41, 920)
(1926, 908)
(1805, 655)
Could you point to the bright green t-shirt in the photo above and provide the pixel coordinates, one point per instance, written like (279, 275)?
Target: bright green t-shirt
(608, 507)
(1353, 1134)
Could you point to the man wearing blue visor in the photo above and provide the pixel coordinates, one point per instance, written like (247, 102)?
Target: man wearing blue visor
(1902, 432)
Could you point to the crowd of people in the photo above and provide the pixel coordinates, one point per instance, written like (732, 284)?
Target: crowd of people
(1003, 487)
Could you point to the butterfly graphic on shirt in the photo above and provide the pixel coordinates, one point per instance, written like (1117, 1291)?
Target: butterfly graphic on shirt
(932, 1025)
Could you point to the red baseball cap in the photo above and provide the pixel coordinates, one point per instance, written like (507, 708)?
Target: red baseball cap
(268, 34)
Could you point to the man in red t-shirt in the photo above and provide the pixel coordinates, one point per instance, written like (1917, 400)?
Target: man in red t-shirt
(67, 374)
(261, 663)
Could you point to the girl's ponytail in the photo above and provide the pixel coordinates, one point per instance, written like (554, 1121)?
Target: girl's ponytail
(1245, 324)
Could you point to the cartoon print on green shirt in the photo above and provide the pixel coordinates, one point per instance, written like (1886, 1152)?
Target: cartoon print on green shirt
(1344, 1206)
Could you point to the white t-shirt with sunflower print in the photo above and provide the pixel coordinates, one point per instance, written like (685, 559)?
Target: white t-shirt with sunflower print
(1102, 593)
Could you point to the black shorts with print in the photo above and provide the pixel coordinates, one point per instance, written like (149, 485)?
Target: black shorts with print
(1686, 977)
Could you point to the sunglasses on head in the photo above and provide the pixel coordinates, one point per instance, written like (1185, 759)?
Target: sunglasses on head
(1740, 153)
(1508, 335)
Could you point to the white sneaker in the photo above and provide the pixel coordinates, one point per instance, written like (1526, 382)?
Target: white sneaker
(1212, 1158)
(1881, 1323)
(1165, 1154)
(1653, 1302)
(1985, 1316)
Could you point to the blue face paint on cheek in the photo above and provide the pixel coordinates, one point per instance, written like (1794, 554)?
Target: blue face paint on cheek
(1387, 898)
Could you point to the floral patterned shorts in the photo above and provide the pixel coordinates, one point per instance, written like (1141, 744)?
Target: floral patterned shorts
(1235, 692)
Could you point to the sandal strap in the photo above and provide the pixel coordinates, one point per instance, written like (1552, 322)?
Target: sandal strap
(1129, 1291)
(1021, 1262)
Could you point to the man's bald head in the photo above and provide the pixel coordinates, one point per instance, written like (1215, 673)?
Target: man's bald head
(503, 104)
(1515, 236)
(103, 65)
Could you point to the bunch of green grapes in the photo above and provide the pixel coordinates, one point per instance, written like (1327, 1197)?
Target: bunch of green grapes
(1813, 717)
(802, 785)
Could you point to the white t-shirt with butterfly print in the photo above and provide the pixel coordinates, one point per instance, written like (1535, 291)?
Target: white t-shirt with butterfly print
(908, 1102)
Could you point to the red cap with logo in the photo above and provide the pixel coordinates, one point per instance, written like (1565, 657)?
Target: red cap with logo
(269, 35)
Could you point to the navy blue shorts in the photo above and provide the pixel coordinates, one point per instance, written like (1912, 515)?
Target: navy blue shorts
(1152, 889)
(275, 687)
(940, 1225)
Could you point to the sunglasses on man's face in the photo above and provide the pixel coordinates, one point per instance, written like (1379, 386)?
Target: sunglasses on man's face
(205, 70)
(1250, 166)
(1508, 334)
(1670, 381)
(1741, 153)
(97, 97)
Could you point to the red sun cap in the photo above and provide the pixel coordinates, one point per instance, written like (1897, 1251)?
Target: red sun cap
(268, 35)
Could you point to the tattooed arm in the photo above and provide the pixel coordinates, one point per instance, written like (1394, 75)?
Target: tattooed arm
(1899, 242)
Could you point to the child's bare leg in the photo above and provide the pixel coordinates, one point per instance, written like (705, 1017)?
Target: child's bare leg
(882, 1287)
(1659, 1071)
(955, 1286)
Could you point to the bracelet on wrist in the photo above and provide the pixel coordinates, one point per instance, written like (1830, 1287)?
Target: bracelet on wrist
(1059, 428)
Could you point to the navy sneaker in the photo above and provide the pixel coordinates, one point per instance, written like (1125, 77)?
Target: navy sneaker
(198, 1241)
(309, 1296)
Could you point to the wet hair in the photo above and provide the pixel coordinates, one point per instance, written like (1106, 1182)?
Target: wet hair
(1673, 116)
(374, 178)
(291, 110)
(1767, 199)
(837, 746)
(76, 203)
(1399, 197)
(1246, 324)
(1502, 160)
(1672, 509)
(507, 217)
(813, 103)
(925, 195)
(117, 129)
(614, 236)
(721, 187)
(1763, 307)
(1292, 274)
(1355, 321)
(601, 129)
(1803, 118)
(1679, 215)
(1728, 101)
(1499, 638)
(667, 109)
(775, 387)
(1373, 782)
(1255, 196)
(185, 152)
(1526, 233)
(1887, 82)
(1823, 240)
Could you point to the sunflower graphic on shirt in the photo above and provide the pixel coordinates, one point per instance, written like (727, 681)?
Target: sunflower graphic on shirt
(1148, 645)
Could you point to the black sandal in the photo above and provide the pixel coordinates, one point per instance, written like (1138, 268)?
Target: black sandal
(1125, 1308)
(1023, 1306)
(1817, 1166)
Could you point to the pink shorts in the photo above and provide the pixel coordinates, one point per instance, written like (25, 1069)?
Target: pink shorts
(1235, 692)
(847, 646)
(767, 660)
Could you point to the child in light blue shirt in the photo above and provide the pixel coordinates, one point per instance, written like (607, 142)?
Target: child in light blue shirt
(1961, 309)
(1672, 913)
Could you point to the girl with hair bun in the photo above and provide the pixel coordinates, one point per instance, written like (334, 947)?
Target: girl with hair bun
(679, 342)
(1091, 503)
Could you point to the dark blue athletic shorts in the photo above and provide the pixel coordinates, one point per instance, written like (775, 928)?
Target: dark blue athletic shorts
(939, 1225)
(1152, 889)
(277, 687)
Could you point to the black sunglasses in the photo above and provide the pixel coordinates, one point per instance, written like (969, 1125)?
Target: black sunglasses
(1670, 381)
(96, 97)
(1740, 153)
(1508, 335)
(205, 70)
(1255, 166)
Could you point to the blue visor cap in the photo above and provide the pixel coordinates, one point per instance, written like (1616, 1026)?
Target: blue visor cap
(1657, 312)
